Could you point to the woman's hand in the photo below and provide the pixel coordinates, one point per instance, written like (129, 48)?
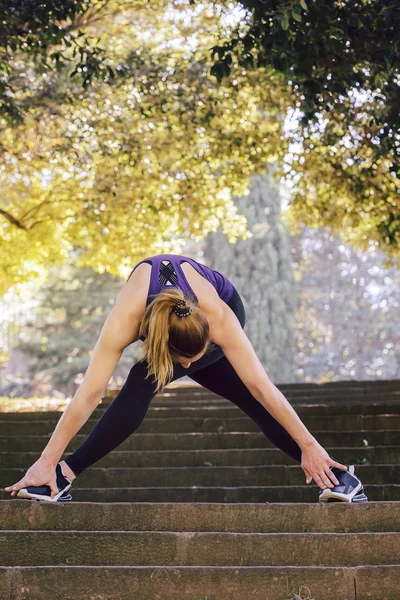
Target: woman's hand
(315, 462)
(42, 472)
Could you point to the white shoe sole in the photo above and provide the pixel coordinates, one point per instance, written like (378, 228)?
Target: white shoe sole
(23, 493)
(328, 494)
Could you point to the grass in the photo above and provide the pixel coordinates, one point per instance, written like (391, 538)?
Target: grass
(303, 593)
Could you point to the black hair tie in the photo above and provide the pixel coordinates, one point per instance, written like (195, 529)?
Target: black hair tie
(182, 309)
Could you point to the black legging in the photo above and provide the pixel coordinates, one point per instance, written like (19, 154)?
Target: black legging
(213, 371)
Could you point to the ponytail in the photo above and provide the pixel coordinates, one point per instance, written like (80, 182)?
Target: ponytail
(165, 332)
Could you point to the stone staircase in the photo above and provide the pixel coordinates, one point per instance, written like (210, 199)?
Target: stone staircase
(198, 505)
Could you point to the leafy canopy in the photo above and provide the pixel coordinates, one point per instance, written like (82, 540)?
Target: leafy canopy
(134, 155)
(133, 168)
(341, 59)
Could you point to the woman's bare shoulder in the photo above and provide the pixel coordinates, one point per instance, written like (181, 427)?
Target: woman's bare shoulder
(133, 295)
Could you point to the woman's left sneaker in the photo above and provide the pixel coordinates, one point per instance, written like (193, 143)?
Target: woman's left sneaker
(43, 492)
(350, 488)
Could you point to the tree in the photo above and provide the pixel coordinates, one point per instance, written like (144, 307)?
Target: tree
(137, 167)
(347, 323)
(46, 34)
(260, 269)
(341, 61)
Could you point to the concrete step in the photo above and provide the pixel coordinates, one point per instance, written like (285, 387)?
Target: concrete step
(201, 583)
(206, 476)
(257, 518)
(210, 424)
(133, 548)
(344, 383)
(332, 397)
(243, 523)
(163, 516)
(223, 409)
(376, 455)
(327, 396)
(266, 493)
(193, 441)
(178, 387)
(379, 384)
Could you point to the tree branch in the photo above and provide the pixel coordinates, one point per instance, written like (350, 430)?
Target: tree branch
(91, 16)
(12, 219)
(36, 206)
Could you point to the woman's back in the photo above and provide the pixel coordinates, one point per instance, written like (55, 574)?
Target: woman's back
(167, 272)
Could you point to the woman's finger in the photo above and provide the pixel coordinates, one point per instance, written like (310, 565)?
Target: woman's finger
(53, 489)
(11, 487)
(14, 488)
(308, 476)
(333, 463)
(24, 482)
(324, 479)
(332, 477)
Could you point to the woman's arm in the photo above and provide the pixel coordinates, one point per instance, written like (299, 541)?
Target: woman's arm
(228, 333)
(104, 359)
(119, 330)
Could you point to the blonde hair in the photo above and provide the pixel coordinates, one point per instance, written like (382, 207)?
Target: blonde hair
(162, 327)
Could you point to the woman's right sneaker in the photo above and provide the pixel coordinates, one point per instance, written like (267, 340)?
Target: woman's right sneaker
(43, 492)
(65, 497)
(350, 488)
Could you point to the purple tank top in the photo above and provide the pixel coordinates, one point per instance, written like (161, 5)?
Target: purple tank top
(222, 285)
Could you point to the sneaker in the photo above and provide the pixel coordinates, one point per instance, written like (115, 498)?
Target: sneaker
(43, 492)
(350, 488)
(65, 497)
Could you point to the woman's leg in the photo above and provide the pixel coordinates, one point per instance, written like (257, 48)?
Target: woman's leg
(222, 379)
(126, 413)
(129, 407)
(120, 419)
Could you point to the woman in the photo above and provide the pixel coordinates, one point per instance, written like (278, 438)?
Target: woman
(190, 319)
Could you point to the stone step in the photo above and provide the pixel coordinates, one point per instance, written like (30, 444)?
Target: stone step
(357, 398)
(386, 455)
(278, 493)
(214, 531)
(206, 476)
(332, 397)
(338, 386)
(226, 410)
(201, 583)
(133, 548)
(210, 424)
(192, 441)
(179, 386)
(257, 518)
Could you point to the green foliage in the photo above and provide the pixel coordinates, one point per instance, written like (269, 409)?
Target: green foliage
(132, 169)
(325, 50)
(341, 60)
(150, 150)
(46, 34)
